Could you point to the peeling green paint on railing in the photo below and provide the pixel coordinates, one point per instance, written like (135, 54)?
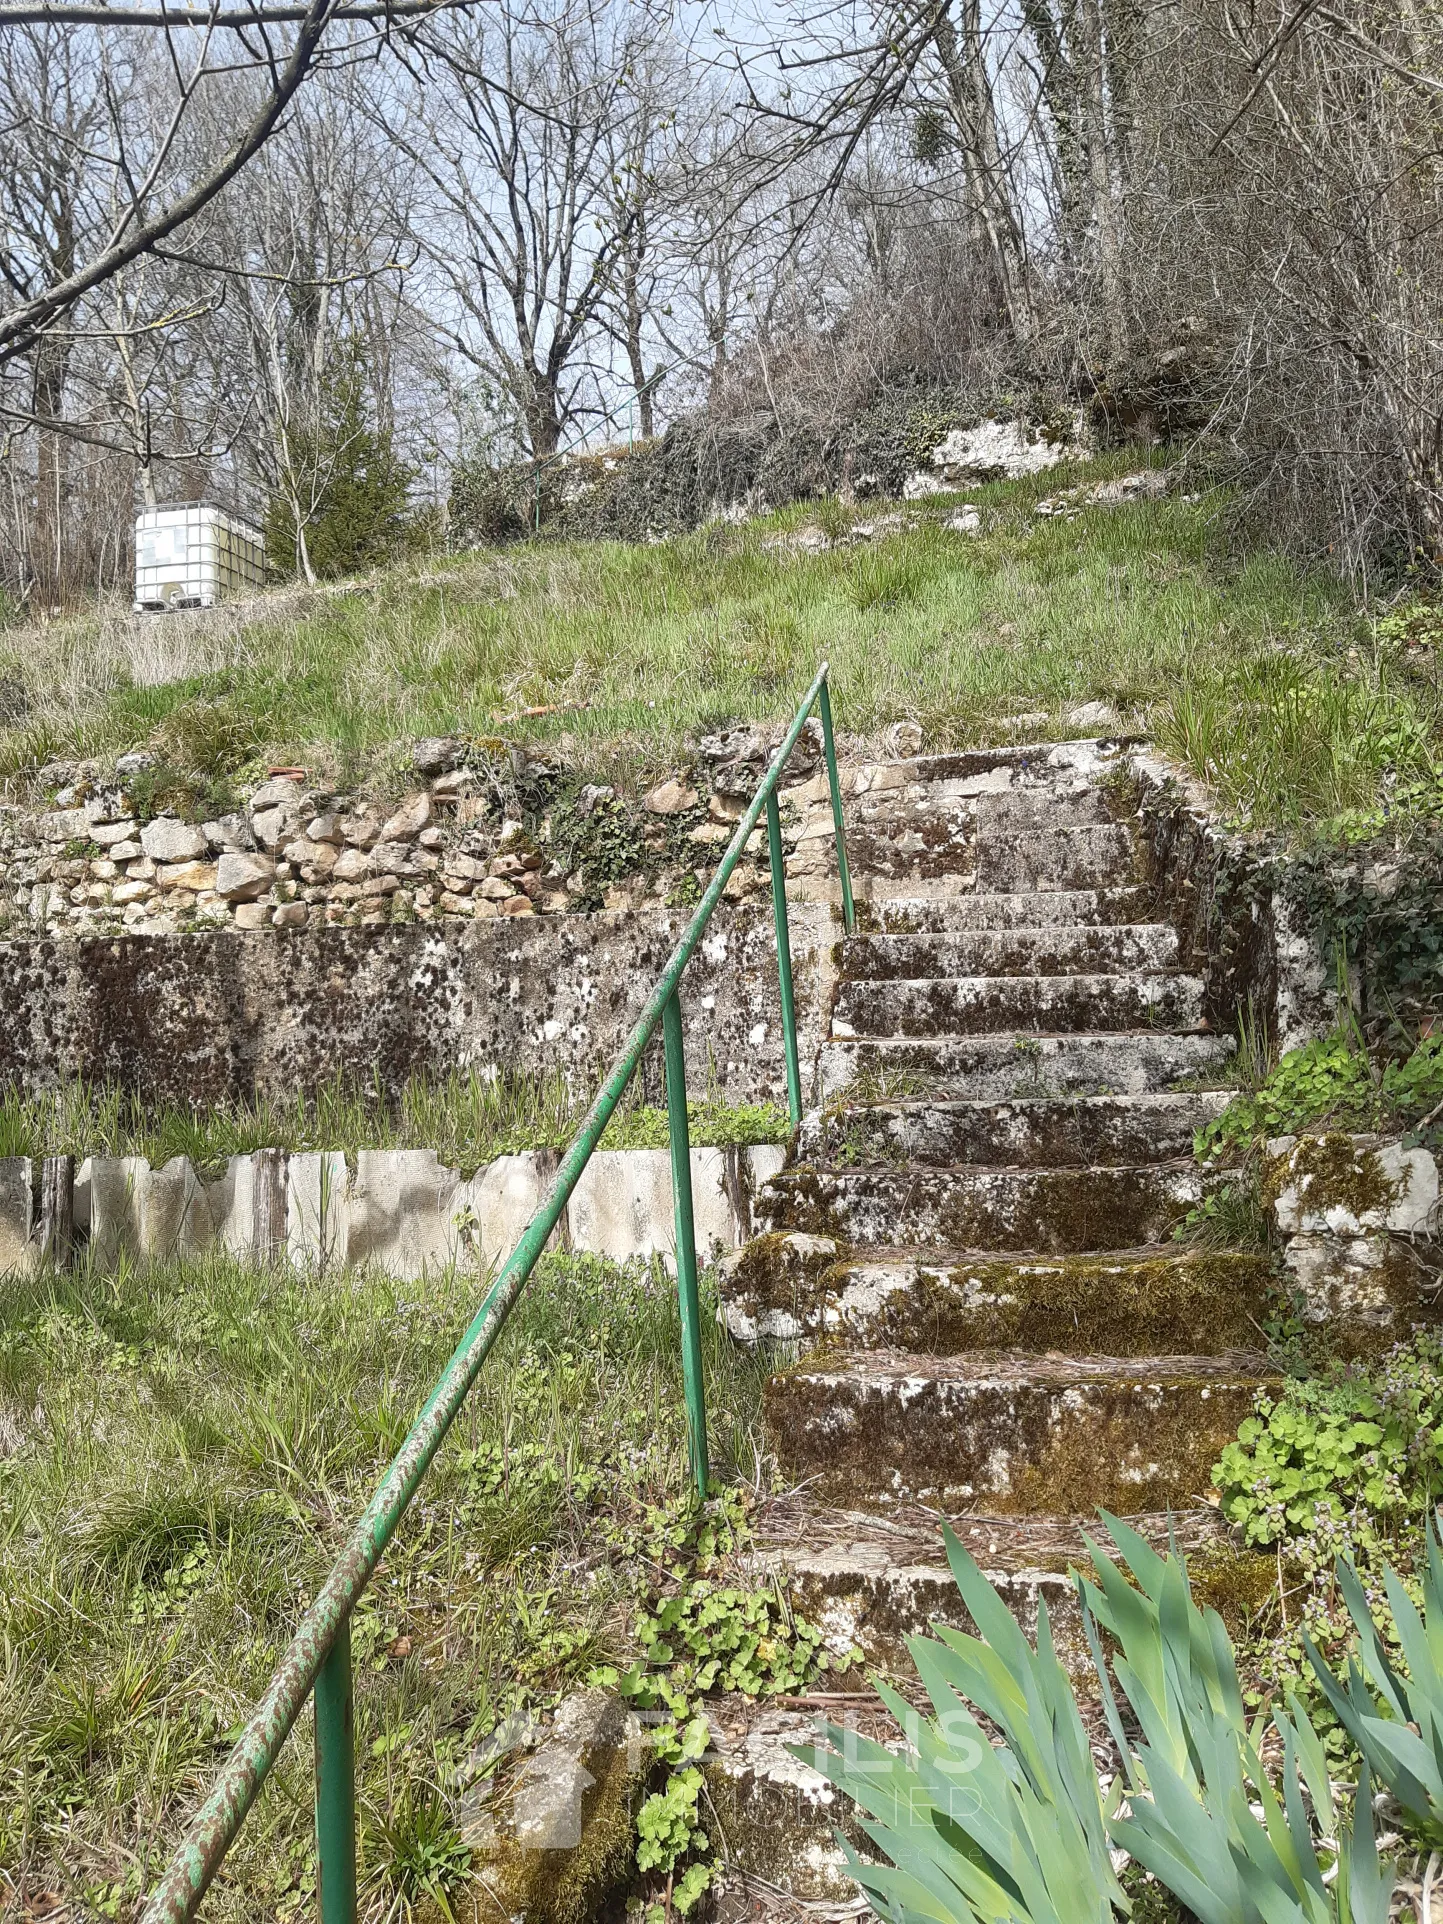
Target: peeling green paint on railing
(320, 1648)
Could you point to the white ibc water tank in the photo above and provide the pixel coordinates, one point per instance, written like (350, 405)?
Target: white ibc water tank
(193, 554)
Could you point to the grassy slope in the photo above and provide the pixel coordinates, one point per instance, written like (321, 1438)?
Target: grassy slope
(181, 1453)
(1257, 674)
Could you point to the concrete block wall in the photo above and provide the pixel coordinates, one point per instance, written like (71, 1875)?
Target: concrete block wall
(400, 1210)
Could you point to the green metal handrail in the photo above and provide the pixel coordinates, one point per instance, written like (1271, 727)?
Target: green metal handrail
(319, 1656)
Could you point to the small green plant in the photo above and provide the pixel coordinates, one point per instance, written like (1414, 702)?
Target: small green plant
(702, 1639)
(1321, 1446)
(1328, 1082)
(1228, 1217)
(710, 1638)
(420, 1854)
(669, 1829)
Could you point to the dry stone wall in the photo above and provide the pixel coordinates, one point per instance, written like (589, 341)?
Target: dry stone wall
(459, 845)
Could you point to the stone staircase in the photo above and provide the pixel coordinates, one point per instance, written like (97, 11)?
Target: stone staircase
(968, 1269)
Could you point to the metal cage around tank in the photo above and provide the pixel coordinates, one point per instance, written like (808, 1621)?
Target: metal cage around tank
(192, 554)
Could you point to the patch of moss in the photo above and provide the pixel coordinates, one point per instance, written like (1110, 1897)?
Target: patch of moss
(1024, 1443)
(576, 1884)
(1331, 1171)
(1241, 1585)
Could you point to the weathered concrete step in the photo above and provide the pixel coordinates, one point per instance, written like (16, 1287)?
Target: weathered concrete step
(1052, 1211)
(804, 1287)
(869, 1582)
(987, 1004)
(1026, 763)
(1042, 1132)
(1056, 858)
(1057, 804)
(1105, 950)
(953, 914)
(1020, 1434)
(988, 1068)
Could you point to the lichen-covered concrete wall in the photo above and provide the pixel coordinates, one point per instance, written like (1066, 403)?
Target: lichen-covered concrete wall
(227, 1015)
(400, 1210)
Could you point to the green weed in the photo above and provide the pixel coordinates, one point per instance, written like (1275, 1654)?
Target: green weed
(184, 1451)
(466, 1118)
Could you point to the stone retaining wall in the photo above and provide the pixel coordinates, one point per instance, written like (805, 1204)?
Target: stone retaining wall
(1245, 942)
(399, 1209)
(1359, 1218)
(227, 1016)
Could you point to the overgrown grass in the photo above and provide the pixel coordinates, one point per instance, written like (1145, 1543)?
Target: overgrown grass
(1257, 673)
(466, 1118)
(181, 1452)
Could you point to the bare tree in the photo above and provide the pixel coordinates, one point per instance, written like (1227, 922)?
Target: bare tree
(513, 123)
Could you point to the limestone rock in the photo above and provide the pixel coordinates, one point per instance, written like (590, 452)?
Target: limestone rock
(392, 858)
(229, 831)
(291, 915)
(494, 889)
(186, 875)
(671, 798)
(361, 831)
(352, 865)
(108, 834)
(241, 878)
(460, 783)
(1344, 1185)
(436, 754)
(281, 791)
(557, 1846)
(127, 892)
(326, 828)
(271, 826)
(64, 825)
(410, 818)
(125, 851)
(253, 915)
(168, 840)
(1094, 714)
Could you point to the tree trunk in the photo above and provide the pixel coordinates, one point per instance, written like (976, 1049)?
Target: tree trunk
(995, 227)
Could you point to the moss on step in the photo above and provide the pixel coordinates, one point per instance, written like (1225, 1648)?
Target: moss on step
(1241, 1585)
(1202, 1302)
(1029, 1439)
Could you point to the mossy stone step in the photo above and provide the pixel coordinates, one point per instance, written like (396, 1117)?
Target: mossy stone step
(804, 1288)
(987, 1004)
(1062, 802)
(887, 914)
(1022, 1435)
(1095, 856)
(1104, 950)
(1053, 1211)
(989, 1068)
(870, 1582)
(1038, 1131)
